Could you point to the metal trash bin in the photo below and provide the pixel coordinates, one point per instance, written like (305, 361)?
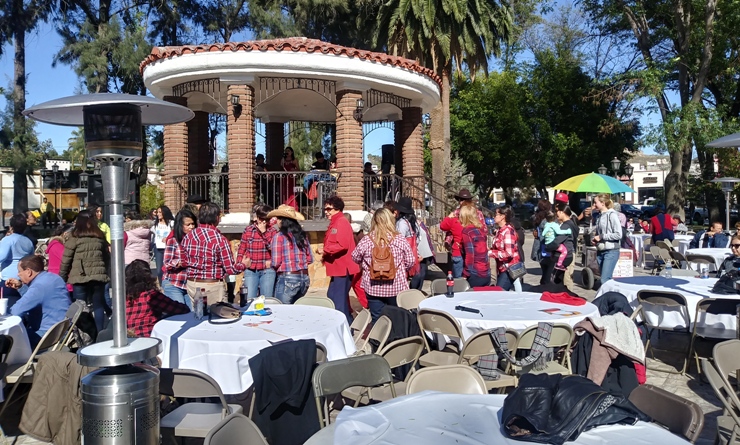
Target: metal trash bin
(120, 405)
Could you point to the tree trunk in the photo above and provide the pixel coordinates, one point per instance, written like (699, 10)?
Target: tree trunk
(20, 177)
(677, 179)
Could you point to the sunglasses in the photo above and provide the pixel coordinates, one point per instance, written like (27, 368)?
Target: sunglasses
(326, 209)
(735, 246)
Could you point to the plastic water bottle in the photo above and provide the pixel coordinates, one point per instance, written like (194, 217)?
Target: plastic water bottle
(450, 285)
(668, 270)
(198, 304)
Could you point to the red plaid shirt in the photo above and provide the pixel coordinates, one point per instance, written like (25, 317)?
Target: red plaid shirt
(207, 255)
(505, 249)
(172, 267)
(403, 257)
(475, 252)
(255, 245)
(287, 257)
(144, 311)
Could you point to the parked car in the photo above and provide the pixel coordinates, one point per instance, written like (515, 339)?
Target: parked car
(631, 211)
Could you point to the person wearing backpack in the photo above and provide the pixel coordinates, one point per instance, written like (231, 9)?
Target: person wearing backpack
(385, 258)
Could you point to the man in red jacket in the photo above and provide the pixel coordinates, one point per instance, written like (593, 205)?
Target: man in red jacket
(339, 243)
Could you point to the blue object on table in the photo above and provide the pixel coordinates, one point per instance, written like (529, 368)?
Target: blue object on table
(259, 313)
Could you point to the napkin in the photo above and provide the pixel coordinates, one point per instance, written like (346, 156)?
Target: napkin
(562, 298)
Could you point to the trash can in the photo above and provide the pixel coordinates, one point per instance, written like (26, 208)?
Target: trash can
(120, 405)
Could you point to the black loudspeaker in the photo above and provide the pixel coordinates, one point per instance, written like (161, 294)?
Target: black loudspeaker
(387, 158)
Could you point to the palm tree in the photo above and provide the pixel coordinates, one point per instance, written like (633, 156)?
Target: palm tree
(441, 35)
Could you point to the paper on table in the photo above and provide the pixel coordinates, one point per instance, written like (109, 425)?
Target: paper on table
(559, 312)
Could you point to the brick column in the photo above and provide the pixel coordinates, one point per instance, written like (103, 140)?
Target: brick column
(409, 142)
(175, 158)
(240, 143)
(349, 150)
(274, 144)
(199, 160)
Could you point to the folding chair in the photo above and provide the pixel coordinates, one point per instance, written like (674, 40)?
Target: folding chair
(712, 306)
(481, 344)
(728, 425)
(272, 300)
(439, 286)
(6, 344)
(695, 258)
(315, 301)
(410, 299)
(678, 415)
(442, 323)
(23, 373)
(658, 262)
(359, 324)
(560, 339)
(664, 244)
(333, 377)
(405, 351)
(320, 353)
(194, 419)
(679, 260)
(376, 338)
(668, 301)
(727, 359)
(235, 429)
(456, 379)
(73, 313)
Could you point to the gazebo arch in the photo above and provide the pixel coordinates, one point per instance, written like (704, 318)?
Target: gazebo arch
(283, 80)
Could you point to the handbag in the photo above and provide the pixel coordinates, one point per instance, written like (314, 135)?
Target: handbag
(516, 271)
(224, 313)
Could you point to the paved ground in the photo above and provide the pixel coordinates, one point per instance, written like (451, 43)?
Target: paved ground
(688, 386)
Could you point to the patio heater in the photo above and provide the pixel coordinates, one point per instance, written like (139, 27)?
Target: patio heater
(120, 402)
(728, 184)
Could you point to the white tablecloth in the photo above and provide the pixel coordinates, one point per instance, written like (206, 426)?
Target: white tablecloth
(638, 240)
(719, 255)
(508, 309)
(441, 419)
(693, 289)
(13, 325)
(223, 351)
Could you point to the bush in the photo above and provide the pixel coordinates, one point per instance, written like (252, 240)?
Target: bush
(152, 197)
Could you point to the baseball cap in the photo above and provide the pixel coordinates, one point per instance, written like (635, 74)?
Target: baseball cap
(562, 197)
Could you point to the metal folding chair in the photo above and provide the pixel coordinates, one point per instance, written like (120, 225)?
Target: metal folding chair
(668, 301)
(456, 379)
(678, 415)
(439, 286)
(236, 429)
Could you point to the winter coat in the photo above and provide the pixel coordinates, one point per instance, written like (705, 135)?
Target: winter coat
(85, 259)
(139, 238)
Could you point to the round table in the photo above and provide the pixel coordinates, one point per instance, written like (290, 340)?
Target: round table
(455, 419)
(223, 350)
(638, 240)
(693, 289)
(719, 255)
(514, 310)
(12, 325)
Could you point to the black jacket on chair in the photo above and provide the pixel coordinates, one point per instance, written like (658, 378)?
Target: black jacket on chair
(555, 409)
(284, 405)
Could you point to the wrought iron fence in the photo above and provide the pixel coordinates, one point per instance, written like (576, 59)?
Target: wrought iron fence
(213, 187)
(306, 191)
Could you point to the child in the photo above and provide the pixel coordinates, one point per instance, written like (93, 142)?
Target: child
(551, 230)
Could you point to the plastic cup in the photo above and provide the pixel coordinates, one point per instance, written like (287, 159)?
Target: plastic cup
(3, 306)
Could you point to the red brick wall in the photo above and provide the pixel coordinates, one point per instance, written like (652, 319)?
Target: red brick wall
(240, 143)
(175, 156)
(349, 150)
(199, 160)
(408, 139)
(274, 144)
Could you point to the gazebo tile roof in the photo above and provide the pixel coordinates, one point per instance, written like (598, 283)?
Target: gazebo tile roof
(295, 44)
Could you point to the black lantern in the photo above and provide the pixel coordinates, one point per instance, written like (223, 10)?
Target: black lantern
(616, 163)
(360, 110)
(602, 170)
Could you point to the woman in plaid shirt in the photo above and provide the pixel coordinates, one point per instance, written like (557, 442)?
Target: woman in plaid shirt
(381, 293)
(476, 268)
(505, 249)
(174, 274)
(145, 305)
(255, 246)
(291, 255)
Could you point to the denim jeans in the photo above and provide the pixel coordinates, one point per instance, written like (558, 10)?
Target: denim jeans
(291, 287)
(477, 281)
(175, 293)
(457, 266)
(159, 261)
(504, 282)
(260, 282)
(93, 293)
(417, 281)
(376, 305)
(607, 260)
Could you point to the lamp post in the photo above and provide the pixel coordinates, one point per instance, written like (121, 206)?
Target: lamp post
(122, 391)
(629, 170)
(56, 181)
(728, 185)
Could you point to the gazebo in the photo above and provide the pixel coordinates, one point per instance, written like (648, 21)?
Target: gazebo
(281, 81)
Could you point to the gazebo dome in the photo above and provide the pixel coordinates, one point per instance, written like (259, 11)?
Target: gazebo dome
(279, 70)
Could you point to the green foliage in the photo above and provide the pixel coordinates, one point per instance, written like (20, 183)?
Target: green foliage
(152, 197)
(306, 139)
(20, 149)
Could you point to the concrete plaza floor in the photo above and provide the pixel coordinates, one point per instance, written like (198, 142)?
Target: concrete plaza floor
(688, 386)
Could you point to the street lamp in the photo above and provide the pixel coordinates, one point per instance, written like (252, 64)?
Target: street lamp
(602, 170)
(56, 179)
(728, 185)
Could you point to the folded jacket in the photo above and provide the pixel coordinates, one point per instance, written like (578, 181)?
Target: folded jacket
(562, 298)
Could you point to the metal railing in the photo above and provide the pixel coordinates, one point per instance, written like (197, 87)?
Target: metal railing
(213, 187)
